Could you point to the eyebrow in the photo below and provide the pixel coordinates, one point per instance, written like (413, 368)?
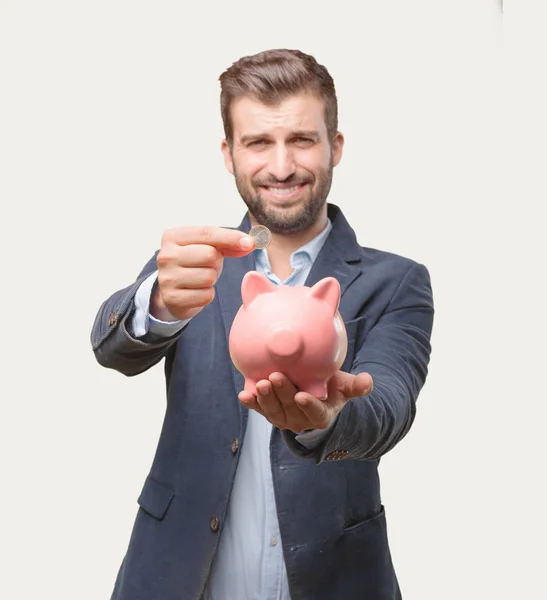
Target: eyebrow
(298, 133)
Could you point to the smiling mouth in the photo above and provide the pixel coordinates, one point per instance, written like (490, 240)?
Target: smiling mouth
(284, 192)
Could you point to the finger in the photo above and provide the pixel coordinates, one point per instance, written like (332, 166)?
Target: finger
(285, 391)
(193, 255)
(230, 242)
(269, 403)
(184, 299)
(172, 257)
(352, 386)
(318, 412)
(248, 400)
(245, 396)
(284, 388)
(188, 278)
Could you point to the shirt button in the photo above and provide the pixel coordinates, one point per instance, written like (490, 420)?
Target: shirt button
(214, 524)
(274, 540)
(235, 445)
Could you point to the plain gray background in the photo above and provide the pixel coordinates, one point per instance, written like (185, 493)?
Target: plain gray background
(110, 133)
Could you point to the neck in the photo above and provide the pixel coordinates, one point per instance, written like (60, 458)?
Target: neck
(283, 245)
(289, 242)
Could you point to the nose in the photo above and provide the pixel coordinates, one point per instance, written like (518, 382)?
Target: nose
(281, 164)
(285, 342)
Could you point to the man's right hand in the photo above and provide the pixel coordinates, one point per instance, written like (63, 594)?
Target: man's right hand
(189, 262)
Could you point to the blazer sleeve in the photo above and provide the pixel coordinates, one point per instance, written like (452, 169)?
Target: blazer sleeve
(396, 353)
(113, 345)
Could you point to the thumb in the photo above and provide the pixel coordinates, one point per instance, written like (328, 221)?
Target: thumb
(353, 386)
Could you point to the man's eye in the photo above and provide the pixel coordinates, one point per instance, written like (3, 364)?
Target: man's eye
(257, 143)
(304, 140)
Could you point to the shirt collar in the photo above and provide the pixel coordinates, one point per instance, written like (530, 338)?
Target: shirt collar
(308, 252)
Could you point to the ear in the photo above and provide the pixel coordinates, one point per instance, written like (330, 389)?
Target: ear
(337, 148)
(254, 284)
(227, 153)
(327, 290)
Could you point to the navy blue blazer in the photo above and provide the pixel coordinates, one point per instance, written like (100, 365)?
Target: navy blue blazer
(331, 517)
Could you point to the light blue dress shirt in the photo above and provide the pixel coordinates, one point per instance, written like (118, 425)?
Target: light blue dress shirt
(249, 562)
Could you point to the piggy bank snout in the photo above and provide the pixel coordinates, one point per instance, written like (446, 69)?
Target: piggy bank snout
(284, 342)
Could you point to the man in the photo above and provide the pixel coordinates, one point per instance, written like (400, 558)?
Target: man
(275, 496)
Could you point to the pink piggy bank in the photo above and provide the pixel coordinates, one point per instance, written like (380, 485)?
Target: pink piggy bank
(296, 331)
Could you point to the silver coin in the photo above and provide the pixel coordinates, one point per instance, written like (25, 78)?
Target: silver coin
(261, 235)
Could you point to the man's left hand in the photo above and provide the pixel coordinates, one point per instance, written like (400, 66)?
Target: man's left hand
(280, 402)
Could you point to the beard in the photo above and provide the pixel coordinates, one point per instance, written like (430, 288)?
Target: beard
(290, 220)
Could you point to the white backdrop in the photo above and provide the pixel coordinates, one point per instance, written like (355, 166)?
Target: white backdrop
(110, 133)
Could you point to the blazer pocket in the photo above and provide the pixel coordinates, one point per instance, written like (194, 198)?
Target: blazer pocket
(155, 498)
(365, 520)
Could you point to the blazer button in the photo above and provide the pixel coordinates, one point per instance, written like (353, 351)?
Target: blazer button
(235, 445)
(113, 318)
(214, 524)
(337, 455)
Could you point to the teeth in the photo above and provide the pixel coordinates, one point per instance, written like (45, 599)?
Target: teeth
(284, 191)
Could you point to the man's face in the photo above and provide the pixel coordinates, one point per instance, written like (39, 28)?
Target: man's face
(282, 160)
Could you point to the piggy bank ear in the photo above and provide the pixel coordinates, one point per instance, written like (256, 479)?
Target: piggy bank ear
(253, 284)
(327, 290)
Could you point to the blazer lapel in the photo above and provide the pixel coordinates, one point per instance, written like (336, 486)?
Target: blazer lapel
(339, 257)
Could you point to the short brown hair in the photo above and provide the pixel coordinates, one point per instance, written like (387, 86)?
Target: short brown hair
(270, 77)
